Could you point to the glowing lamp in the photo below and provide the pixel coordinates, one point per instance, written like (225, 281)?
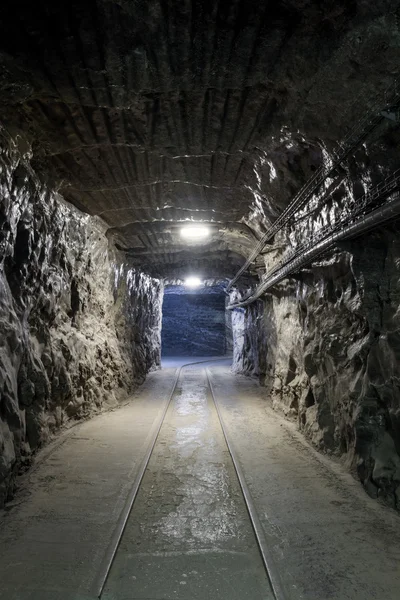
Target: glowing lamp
(195, 232)
(192, 282)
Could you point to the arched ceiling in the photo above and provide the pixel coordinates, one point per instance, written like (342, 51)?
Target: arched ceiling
(150, 113)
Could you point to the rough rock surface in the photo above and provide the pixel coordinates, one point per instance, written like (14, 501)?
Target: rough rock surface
(78, 328)
(148, 114)
(248, 339)
(329, 356)
(194, 322)
(152, 113)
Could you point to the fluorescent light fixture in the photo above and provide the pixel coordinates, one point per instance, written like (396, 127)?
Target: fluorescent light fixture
(192, 282)
(195, 232)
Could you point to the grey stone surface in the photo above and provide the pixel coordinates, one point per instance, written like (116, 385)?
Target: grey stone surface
(189, 534)
(54, 534)
(326, 347)
(79, 328)
(328, 539)
(151, 114)
(194, 324)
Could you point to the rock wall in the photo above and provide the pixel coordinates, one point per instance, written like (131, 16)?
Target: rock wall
(248, 333)
(331, 344)
(78, 328)
(194, 323)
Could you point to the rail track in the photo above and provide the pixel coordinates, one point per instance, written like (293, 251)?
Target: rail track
(275, 589)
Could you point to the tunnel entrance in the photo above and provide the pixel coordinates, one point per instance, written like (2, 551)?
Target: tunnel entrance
(195, 322)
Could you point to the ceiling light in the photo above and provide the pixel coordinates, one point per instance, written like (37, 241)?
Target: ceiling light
(194, 232)
(192, 282)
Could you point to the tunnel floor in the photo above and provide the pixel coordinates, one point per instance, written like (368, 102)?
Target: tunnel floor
(189, 535)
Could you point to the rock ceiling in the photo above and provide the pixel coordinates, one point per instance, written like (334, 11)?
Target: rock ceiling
(149, 113)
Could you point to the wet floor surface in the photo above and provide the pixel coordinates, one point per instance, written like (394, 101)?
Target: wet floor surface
(54, 534)
(189, 536)
(329, 540)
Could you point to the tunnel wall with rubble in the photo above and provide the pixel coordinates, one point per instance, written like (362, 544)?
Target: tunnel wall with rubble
(79, 328)
(326, 346)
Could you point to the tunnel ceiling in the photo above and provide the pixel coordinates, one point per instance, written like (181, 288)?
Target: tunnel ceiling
(150, 113)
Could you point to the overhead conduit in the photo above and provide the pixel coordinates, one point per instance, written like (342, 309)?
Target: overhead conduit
(375, 218)
(355, 137)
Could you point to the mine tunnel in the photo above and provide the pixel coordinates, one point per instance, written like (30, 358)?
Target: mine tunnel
(195, 321)
(199, 300)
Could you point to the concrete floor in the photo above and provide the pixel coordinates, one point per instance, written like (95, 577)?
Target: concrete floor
(189, 536)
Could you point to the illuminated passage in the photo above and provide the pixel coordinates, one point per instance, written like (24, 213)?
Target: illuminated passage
(194, 322)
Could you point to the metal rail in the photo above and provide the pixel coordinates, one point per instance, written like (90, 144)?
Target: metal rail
(357, 134)
(99, 583)
(269, 564)
(305, 253)
(108, 559)
(106, 564)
